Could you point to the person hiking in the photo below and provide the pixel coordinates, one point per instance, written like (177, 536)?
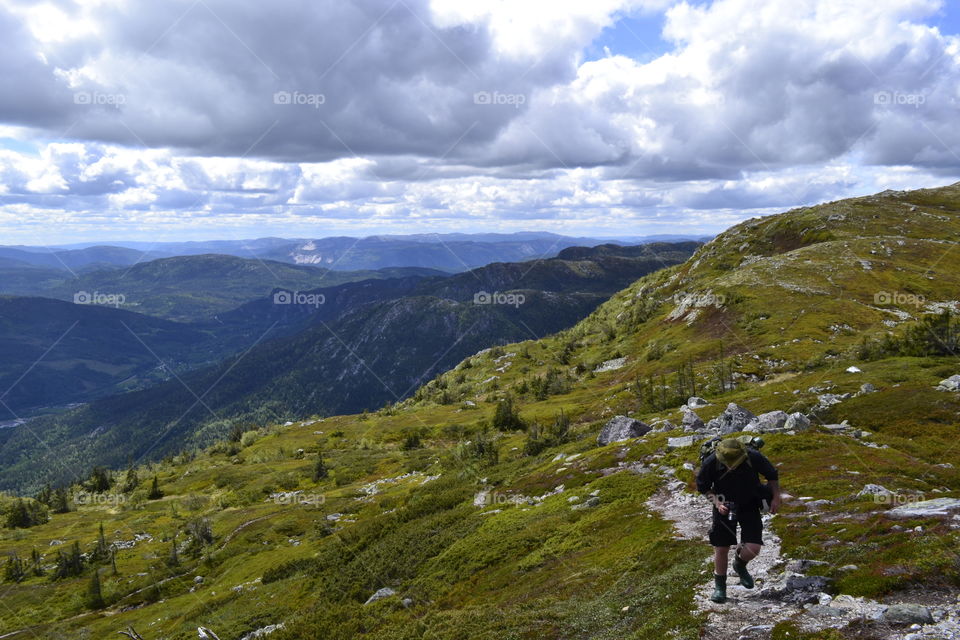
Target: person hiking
(729, 477)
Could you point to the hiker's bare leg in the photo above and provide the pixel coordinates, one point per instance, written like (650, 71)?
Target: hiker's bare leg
(748, 551)
(720, 557)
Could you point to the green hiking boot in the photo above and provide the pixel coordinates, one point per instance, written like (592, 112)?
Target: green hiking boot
(746, 580)
(719, 589)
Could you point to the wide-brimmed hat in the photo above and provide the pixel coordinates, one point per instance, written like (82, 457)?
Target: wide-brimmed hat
(731, 452)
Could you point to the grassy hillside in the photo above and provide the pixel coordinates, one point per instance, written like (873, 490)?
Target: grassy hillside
(475, 527)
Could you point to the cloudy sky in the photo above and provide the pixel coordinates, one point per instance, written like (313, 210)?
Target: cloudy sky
(191, 119)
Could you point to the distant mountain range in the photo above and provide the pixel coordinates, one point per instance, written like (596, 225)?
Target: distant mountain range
(453, 252)
(364, 344)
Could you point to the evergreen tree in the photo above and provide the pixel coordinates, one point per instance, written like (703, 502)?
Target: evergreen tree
(320, 470)
(155, 492)
(507, 417)
(101, 552)
(60, 500)
(99, 480)
(69, 563)
(14, 570)
(174, 559)
(35, 565)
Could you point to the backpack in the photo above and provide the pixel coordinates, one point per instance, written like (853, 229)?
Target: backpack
(752, 442)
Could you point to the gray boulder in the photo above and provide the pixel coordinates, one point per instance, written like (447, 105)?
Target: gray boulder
(696, 402)
(797, 589)
(938, 507)
(906, 613)
(386, 592)
(870, 490)
(621, 428)
(691, 422)
(772, 421)
(797, 422)
(950, 384)
(683, 441)
(734, 418)
(866, 388)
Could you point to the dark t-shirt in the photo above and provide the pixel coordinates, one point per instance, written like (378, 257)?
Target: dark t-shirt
(740, 485)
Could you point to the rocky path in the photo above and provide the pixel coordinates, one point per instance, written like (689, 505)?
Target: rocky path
(783, 592)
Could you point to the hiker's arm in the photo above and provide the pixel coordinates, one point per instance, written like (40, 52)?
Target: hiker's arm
(775, 502)
(705, 485)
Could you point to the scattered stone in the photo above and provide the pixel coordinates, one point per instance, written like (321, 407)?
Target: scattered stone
(825, 611)
(872, 490)
(696, 402)
(797, 422)
(407, 602)
(611, 365)
(938, 507)
(854, 370)
(691, 421)
(589, 504)
(386, 592)
(906, 613)
(621, 428)
(802, 565)
(683, 441)
(734, 418)
(197, 579)
(772, 421)
(950, 384)
(866, 388)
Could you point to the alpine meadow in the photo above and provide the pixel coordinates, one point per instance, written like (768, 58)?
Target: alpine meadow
(464, 319)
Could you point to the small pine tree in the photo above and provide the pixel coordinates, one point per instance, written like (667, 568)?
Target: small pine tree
(507, 417)
(14, 572)
(35, 565)
(69, 563)
(131, 481)
(174, 559)
(320, 470)
(60, 500)
(155, 492)
(101, 552)
(99, 480)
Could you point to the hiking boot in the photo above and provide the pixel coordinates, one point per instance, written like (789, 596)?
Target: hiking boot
(746, 580)
(719, 589)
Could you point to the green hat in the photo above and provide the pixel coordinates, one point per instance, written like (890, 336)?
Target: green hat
(731, 452)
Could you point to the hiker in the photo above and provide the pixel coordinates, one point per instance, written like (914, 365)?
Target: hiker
(729, 478)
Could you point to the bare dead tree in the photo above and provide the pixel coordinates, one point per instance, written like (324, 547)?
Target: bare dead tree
(131, 633)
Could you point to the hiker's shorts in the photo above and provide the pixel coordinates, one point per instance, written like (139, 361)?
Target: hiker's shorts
(723, 533)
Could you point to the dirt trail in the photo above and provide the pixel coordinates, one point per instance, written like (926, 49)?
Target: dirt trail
(745, 613)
